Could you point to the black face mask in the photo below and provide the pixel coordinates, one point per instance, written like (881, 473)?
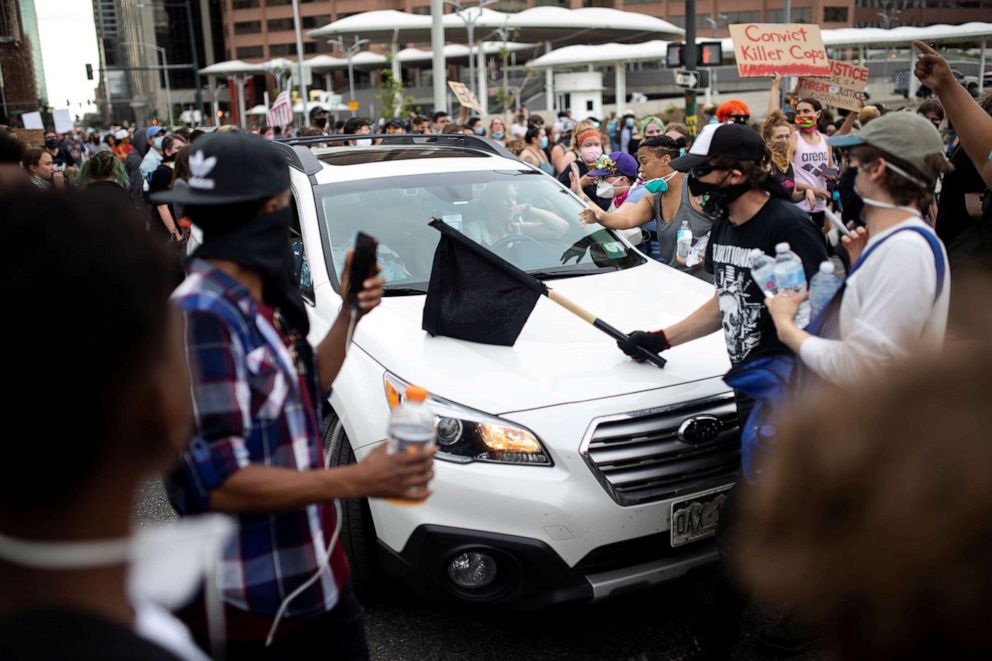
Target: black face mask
(51, 144)
(261, 244)
(320, 122)
(718, 197)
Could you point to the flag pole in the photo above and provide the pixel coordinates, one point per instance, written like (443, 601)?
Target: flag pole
(531, 282)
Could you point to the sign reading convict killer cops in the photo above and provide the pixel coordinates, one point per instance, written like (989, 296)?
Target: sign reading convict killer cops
(844, 88)
(792, 49)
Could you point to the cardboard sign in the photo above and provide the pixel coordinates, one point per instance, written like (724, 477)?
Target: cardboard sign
(791, 49)
(845, 88)
(32, 120)
(62, 120)
(30, 137)
(465, 96)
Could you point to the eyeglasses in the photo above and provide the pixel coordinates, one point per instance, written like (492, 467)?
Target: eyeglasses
(701, 171)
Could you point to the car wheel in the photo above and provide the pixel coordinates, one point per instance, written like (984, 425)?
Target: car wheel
(358, 537)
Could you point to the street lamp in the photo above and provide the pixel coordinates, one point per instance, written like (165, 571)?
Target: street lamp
(469, 19)
(165, 67)
(350, 52)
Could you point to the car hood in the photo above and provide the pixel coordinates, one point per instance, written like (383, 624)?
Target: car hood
(558, 357)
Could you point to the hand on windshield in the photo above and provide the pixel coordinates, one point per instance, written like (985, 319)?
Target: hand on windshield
(578, 182)
(591, 214)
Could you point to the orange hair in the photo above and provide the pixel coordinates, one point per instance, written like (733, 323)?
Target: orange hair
(732, 107)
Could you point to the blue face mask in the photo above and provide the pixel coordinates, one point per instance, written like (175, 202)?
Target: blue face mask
(497, 136)
(656, 186)
(629, 123)
(682, 151)
(157, 143)
(544, 142)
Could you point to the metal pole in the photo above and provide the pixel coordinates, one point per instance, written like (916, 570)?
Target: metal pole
(786, 81)
(351, 81)
(196, 59)
(299, 58)
(470, 25)
(483, 94)
(437, 53)
(981, 70)
(690, 63)
(168, 87)
(549, 82)
(239, 81)
(621, 87)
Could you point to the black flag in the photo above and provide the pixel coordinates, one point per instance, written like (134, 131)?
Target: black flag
(474, 294)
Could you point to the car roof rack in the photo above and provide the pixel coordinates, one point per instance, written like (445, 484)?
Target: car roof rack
(297, 150)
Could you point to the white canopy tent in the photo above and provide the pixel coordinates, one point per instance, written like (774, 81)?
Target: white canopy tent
(621, 54)
(551, 25)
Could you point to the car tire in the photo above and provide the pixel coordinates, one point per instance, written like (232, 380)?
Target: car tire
(358, 537)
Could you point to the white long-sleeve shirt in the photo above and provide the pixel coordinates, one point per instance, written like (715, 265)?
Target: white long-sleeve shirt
(888, 308)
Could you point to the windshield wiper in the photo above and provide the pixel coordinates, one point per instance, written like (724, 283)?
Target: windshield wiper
(403, 291)
(555, 274)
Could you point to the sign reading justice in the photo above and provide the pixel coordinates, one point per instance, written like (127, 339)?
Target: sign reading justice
(792, 49)
(845, 88)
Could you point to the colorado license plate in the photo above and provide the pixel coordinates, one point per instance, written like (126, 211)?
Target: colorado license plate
(696, 517)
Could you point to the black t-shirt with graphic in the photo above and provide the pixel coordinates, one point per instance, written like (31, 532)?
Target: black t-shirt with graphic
(747, 326)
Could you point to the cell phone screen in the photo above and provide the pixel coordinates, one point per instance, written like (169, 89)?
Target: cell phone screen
(363, 264)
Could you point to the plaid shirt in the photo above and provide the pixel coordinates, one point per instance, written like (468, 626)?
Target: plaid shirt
(250, 408)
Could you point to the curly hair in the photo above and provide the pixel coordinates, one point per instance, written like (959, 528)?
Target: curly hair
(103, 166)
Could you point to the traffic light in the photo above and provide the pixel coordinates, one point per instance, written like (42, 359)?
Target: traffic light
(708, 54)
(89, 72)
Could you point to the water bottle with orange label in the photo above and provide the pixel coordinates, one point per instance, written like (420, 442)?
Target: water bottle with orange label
(411, 429)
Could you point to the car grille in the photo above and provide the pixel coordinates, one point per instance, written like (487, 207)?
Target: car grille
(640, 457)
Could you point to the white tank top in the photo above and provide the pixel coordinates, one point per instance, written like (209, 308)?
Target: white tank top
(807, 162)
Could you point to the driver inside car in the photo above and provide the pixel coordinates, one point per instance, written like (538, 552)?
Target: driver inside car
(500, 218)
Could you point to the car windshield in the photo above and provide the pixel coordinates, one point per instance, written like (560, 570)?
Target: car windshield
(523, 216)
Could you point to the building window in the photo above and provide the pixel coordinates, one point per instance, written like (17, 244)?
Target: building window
(248, 51)
(310, 22)
(734, 17)
(677, 21)
(310, 47)
(510, 6)
(553, 3)
(640, 2)
(799, 15)
(421, 10)
(277, 3)
(280, 24)
(248, 27)
(598, 3)
(244, 4)
(835, 14)
(282, 50)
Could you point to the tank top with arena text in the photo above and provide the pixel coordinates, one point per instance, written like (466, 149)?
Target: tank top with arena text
(808, 163)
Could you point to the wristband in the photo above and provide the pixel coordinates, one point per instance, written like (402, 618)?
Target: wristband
(664, 338)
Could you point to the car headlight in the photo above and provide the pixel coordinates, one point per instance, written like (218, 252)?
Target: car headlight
(464, 435)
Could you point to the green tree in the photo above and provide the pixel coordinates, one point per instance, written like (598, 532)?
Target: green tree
(392, 102)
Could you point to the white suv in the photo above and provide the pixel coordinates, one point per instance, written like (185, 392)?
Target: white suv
(565, 470)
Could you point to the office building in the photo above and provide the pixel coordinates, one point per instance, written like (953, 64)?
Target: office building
(19, 91)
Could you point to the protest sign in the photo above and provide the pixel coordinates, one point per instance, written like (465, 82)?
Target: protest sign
(844, 88)
(62, 120)
(763, 49)
(465, 96)
(32, 120)
(30, 137)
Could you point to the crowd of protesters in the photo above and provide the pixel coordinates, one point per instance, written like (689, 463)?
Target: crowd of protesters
(865, 517)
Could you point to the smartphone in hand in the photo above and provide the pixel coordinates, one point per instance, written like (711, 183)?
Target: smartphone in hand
(363, 265)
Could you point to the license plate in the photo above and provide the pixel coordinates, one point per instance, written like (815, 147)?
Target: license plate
(696, 517)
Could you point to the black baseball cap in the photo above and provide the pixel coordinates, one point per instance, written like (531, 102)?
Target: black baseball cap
(226, 168)
(730, 141)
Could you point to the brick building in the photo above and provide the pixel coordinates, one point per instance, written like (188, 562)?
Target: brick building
(17, 67)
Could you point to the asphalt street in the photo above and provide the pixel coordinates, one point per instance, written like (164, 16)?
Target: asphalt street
(655, 625)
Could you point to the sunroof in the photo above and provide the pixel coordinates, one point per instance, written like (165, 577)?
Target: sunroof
(357, 156)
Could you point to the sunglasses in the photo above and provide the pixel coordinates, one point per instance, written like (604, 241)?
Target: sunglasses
(740, 119)
(701, 171)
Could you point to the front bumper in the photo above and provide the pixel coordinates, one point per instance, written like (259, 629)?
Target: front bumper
(531, 575)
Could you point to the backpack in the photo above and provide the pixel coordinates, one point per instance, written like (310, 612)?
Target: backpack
(779, 383)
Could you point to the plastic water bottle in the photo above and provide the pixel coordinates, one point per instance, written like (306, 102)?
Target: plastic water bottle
(790, 276)
(763, 272)
(683, 241)
(411, 429)
(696, 254)
(822, 287)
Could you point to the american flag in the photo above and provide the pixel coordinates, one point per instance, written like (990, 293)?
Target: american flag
(281, 112)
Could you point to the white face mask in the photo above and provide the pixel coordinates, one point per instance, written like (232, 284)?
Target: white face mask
(167, 563)
(363, 142)
(605, 189)
(886, 205)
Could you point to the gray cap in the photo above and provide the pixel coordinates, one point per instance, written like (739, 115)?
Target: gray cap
(904, 135)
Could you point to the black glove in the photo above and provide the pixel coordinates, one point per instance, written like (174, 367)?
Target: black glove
(653, 341)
